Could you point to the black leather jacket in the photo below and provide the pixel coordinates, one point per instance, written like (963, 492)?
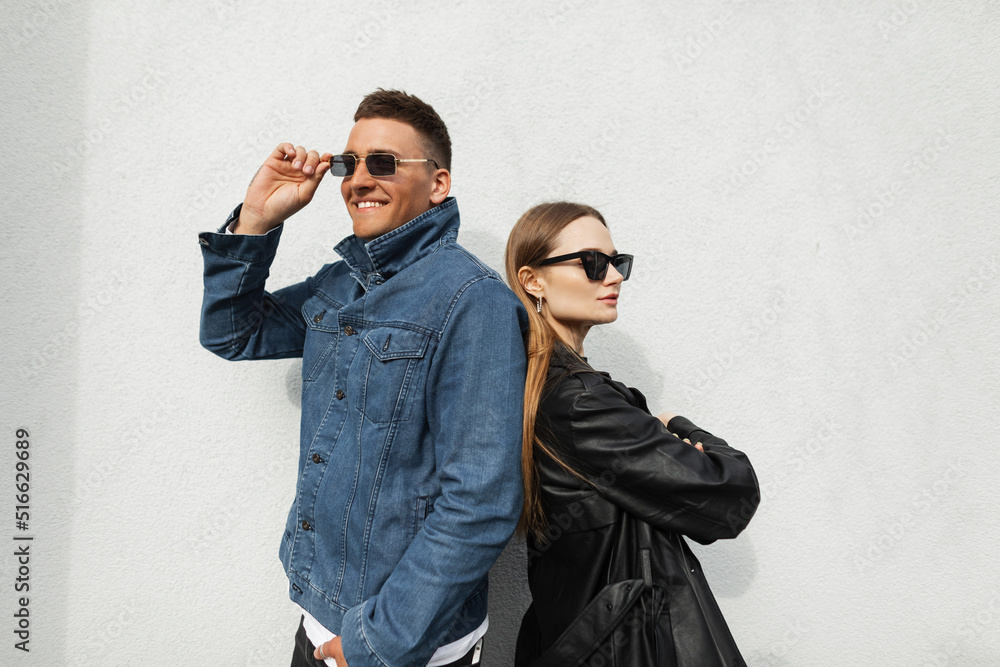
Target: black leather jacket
(613, 581)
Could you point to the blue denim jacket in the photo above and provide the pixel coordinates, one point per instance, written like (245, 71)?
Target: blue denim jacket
(412, 386)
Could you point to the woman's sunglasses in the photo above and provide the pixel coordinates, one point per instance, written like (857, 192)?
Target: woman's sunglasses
(595, 264)
(377, 164)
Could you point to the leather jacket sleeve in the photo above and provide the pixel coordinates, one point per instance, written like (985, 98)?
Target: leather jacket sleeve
(637, 464)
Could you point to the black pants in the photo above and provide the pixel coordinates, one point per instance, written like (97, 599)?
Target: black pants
(303, 655)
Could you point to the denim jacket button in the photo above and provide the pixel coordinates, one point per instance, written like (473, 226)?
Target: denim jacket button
(317, 458)
(349, 330)
(340, 394)
(318, 319)
(306, 525)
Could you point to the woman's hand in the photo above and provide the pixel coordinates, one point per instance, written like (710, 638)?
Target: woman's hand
(665, 417)
(331, 649)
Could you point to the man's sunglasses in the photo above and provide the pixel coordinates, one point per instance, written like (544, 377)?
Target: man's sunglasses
(377, 164)
(595, 264)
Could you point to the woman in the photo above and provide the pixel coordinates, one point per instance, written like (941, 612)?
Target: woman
(610, 489)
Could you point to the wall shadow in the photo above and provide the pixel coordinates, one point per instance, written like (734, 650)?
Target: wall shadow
(44, 49)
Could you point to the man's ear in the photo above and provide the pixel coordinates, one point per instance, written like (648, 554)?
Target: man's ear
(531, 281)
(442, 186)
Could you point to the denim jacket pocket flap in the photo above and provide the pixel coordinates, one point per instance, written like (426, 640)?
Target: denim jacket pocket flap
(388, 343)
(320, 315)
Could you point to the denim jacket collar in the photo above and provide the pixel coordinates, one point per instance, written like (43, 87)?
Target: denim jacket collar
(387, 255)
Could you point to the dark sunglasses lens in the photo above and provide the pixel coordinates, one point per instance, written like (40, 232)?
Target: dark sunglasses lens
(623, 264)
(594, 265)
(381, 164)
(342, 165)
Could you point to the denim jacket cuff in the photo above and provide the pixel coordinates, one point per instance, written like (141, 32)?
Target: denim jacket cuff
(243, 247)
(354, 643)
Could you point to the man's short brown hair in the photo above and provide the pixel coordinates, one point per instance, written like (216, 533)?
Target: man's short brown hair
(410, 109)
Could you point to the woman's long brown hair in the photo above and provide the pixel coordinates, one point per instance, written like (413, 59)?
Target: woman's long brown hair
(531, 240)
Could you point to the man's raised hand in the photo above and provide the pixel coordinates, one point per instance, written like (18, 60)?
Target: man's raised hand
(283, 185)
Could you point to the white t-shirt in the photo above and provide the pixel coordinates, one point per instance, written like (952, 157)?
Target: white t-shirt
(448, 653)
(318, 634)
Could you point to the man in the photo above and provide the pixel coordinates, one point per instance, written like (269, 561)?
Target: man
(413, 374)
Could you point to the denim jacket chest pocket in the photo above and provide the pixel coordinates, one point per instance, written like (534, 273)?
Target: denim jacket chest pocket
(321, 340)
(392, 373)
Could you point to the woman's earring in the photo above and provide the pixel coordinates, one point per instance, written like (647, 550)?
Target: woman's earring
(539, 304)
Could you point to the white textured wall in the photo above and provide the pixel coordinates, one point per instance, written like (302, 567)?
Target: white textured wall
(811, 193)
